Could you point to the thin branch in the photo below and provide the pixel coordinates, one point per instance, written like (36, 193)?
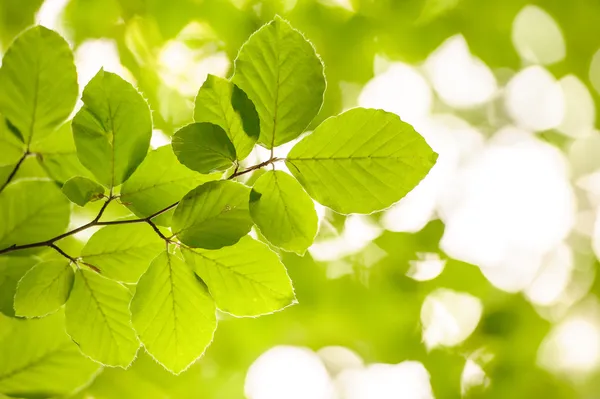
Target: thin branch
(76, 261)
(15, 170)
(255, 167)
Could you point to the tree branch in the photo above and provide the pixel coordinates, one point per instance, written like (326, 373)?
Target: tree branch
(255, 167)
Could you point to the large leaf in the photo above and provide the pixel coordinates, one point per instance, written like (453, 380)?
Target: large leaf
(112, 130)
(213, 215)
(39, 83)
(283, 212)
(203, 147)
(30, 211)
(245, 279)
(123, 252)
(361, 161)
(58, 156)
(38, 360)
(44, 288)
(81, 190)
(283, 76)
(159, 182)
(221, 102)
(97, 318)
(173, 313)
(12, 269)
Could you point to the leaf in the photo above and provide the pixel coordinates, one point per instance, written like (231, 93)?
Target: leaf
(39, 83)
(361, 161)
(112, 130)
(58, 156)
(38, 360)
(222, 103)
(283, 212)
(12, 269)
(122, 252)
(245, 279)
(97, 319)
(173, 313)
(31, 211)
(12, 148)
(213, 215)
(203, 147)
(159, 182)
(81, 190)
(283, 76)
(44, 289)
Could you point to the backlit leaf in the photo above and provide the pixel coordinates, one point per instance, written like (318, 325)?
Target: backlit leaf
(82, 190)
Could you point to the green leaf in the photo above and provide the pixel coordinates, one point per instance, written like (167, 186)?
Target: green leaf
(173, 313)
(38, 360)
(30, 211)
(221, 102)
(12, 148)
(97, 318)
(58, 156)
(213, 215)
(283, 76)
(283, 212)
(81, 190)
(39, 83)
(159, 182)
(44, 289)
(203, 147)
(112, 130)
(245, 279)
(123, 252)
(12, 269)
(361, 161)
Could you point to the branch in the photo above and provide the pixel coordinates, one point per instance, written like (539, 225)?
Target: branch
(255, 167)
(15, 170)
(72, 259)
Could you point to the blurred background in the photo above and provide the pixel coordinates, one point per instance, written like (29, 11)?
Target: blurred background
(482, 281)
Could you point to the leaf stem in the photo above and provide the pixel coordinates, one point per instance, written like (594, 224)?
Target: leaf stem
(15, 170)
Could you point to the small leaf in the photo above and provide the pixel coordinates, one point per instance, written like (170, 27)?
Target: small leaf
(12, 269)
(221, 102)
(112, 130)
(173, 313)
(159, 182)
(58, 156)
(31, 211)
(122, 252)
(39, 83)
(283, 76)
(283, 212)
(81, 190)
(361, 161)
(203, 147)
(44, 289)
(12, 148)
(38, 360)
(213, 215)
(245, 279)
(97, 318)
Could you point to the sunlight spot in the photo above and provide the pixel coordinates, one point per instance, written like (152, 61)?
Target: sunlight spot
(472, 376)
(537, 37)
(459, 78)
(50, 15)
(534, 99)
(406, 380)
(552, 278)
(92, 55)
(583, 155)
(344, 4)
(339, 358)
(510, 206)
(573, 346)
(159, 139)
(580, 111)
(401, 89)
(449, 317)
(288, 372)
(427, 267)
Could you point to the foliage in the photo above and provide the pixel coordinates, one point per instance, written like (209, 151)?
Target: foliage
(156, 279)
